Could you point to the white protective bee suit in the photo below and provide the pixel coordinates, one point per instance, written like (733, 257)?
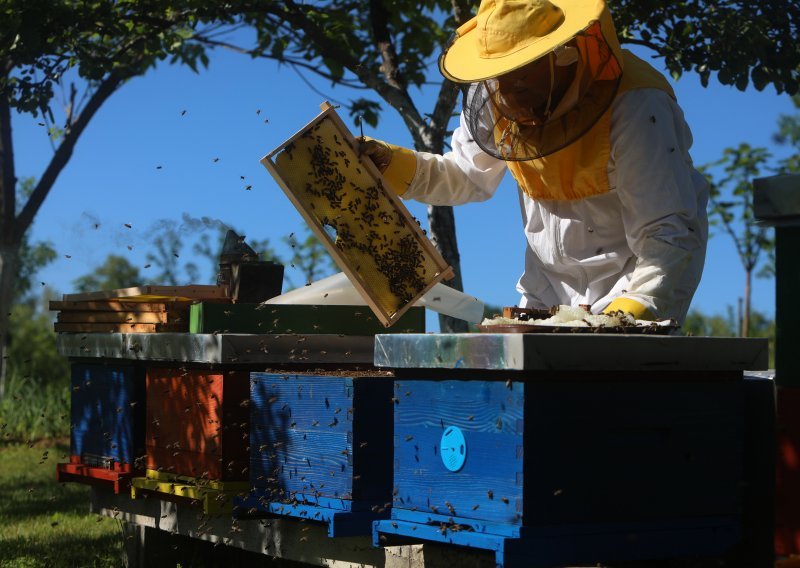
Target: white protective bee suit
(645, 239)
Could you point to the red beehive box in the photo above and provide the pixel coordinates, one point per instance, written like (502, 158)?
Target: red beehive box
(197, 423)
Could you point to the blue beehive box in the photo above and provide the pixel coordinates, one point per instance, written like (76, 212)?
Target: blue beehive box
(320, 449)
(561, 470)
(107, 415)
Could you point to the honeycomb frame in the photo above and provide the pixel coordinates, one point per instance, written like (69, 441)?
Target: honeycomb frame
(373, 237)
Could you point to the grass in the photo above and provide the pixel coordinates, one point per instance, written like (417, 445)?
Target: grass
(47, 524)
(32, 409)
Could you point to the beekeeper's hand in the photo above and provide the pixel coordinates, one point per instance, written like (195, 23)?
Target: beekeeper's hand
(397, 164)
(378, 151)
(637, 310)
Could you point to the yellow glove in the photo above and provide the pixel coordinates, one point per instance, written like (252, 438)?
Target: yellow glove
(397, 164)
(637, 310)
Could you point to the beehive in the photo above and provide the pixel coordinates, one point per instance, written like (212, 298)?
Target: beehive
(107, 413)
(197, 423)
(568, 469)
(362, 223)
(110, 316)
(107, 424)
(321, 449)
(297, 318)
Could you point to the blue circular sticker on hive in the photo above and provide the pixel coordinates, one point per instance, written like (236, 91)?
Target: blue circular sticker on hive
(453, 448)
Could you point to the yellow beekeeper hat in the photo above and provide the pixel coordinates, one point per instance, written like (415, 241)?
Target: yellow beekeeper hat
(507, 34)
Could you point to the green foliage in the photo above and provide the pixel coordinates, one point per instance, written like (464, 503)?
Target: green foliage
(44, 523)
(744, 43)
(731, 202)
(789, 135)
(699, 324)
(46, 39)
(32, 257)
(116, 272)
(36, 402)
(365, 110)
(310, 257)
(165, 256)
(32, 351)
(34, 410)
(731, 208)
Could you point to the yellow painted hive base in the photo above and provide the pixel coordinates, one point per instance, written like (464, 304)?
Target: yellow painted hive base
(213, 496)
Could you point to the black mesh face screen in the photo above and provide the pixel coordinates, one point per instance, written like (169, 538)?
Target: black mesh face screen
(524, 116)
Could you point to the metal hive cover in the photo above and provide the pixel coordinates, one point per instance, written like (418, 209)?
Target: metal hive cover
(362, 223)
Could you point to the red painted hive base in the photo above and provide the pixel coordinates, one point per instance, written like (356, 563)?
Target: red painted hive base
(118, 476)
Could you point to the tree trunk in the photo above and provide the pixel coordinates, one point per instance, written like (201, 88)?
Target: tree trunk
(748, 275)
(442, 222)
(9, 261)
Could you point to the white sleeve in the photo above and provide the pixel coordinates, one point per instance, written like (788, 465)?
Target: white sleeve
(464, 174)
(663, 200)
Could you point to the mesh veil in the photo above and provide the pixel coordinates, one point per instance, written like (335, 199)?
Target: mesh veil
(503, 135)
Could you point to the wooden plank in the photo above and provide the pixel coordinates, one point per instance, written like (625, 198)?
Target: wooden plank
(378, 244)
(112, 317)
(152, 293)
(117, 327)
(301, 319)
(114, 306)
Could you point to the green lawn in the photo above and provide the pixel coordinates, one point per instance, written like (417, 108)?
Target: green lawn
(47, 524)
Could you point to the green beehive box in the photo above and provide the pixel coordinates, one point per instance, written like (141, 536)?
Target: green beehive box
(207, 317)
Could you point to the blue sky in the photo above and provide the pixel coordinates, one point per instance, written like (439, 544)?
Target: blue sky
(143, 161)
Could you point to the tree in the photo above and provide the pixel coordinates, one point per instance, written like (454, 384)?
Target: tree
(87, 50)
(389, 48)
(91, 48)
(789, 135)
(699, 324)
(310, 257)
(116, 272)
(742, 42)
(731, 208)
(165, 257)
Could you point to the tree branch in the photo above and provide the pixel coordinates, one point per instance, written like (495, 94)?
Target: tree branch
(64, 152)
(448, 92)
(379, 22)
(648, 44)
(289, 61)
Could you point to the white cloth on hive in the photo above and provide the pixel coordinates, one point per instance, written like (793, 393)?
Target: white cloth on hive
(337, 290)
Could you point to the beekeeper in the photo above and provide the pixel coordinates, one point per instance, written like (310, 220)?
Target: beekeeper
(613, 210)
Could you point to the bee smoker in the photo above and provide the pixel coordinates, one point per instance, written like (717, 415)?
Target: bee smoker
(249, 279)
